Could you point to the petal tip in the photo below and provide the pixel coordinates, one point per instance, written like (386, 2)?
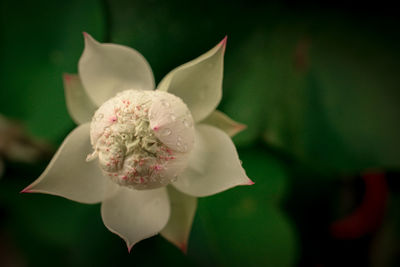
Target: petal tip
(249, 182)
(129, 247)
(67, 77)
(223, 43)
(89, 40)
(26, 190)
(240, 127)
(183, 248)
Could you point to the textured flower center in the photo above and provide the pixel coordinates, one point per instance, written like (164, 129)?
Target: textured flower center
(142, 138)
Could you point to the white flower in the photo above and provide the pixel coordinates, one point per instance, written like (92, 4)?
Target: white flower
(146, 154)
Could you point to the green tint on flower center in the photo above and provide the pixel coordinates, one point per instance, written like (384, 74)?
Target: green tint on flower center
(131, 136)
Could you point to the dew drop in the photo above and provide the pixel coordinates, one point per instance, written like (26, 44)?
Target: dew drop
(179, 138)
(187, 123)
(164, 103)
(166, 132)
(173, 117)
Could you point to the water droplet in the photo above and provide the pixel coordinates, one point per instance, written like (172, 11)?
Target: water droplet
(179, 138)
(173, 117)
(165, 103)
(100, 116)
(187, 123)
(166, 132)
(174, 179)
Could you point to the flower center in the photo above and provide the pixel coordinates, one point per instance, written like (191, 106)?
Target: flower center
(139, 139)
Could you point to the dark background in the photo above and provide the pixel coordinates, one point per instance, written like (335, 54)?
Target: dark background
(317, 85)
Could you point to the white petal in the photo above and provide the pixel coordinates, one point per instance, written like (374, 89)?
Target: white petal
(223, 122)
(183, 209)
(172, 122)
(106, 69)
(198, 82)
(214, 164)
(80, 107)
(136, 214)
(70, 176)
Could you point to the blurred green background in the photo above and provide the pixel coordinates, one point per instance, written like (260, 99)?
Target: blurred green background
(317, 85)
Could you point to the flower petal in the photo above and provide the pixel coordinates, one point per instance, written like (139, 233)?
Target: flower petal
(136, 214)
(70, 176)
(106, 69)
(183, 209)
(80, 107)
(198, 82)
(223, 122)
(214, 164)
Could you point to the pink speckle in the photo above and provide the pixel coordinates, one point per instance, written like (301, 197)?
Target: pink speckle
(156, 128)
(113, 119)
(157, 167)
(124, 177)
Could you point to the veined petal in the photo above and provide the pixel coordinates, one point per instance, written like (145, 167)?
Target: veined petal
(80, 107)
(198, 82)
(183, 209)
(214, 164)
(136, 214)
(106, 69)
(222, 121)
(70, 176)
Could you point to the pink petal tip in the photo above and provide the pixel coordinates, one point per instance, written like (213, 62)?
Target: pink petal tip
(85, 34)
(26, 190)
(249, 182)
(67, 77)
(223, 42)
(183, 248)
(241, 127)
(129, 248)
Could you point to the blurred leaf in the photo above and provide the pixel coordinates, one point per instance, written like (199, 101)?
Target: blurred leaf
(244, 225)
(327, 96)
(38, 43)
(356, 73)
